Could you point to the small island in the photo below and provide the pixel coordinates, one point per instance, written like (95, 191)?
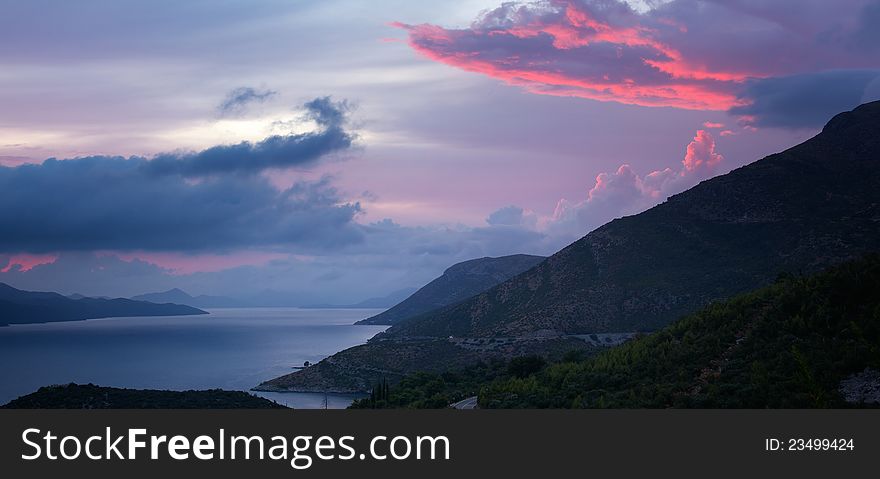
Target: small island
(90, 396)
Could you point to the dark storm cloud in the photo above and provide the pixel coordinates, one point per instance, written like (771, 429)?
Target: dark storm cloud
(277, 151)
(237, 101)
(328, 113)
(210, 200)
(99, 203)
(807, 100)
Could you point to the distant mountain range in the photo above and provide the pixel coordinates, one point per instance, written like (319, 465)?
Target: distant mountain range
(267, 299)
(373, 303)
(459, 282)
(799, 211)
(22, 307)
(178, 296)
(82, 296)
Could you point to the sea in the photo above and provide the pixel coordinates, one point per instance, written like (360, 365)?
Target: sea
(233, 349)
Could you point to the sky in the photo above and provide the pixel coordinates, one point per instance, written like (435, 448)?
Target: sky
(306, 151)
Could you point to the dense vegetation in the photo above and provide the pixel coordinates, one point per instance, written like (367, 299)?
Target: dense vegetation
(89, 396)
(784, 346)
(437, 390)
(434, 390)
(788, 345)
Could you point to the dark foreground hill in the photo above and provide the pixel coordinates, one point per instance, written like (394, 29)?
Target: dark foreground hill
(89, 396)
(800, 343)
(22, 307)
(809, 207)
(458, 282)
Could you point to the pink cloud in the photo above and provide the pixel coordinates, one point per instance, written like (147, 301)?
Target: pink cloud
(711, 124)
(701, 155)
(679, 54)
(569, 52)
(622, 183)
(27, 262)
(569, 48)
(624, 192)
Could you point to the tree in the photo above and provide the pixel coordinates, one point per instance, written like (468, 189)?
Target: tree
(525, 366)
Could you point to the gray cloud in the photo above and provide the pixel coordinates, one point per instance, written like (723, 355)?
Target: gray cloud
(182, 202)
(512, 215)
(805, 101)
(867, 36)
(98, 203)
(277, 151)
(506, 216)
(328, 113)
(238, 100)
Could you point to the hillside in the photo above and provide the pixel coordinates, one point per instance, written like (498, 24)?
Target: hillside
(799, 343)
(356, 370)
(89, 396)
(812, 206)
(22, 307)
(457, 283)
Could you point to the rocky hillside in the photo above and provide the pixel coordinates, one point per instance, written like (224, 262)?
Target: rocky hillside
(459, 282)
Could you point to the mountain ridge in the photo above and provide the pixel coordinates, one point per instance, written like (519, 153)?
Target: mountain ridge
(26, 307)
(179, 296)
(457, 283)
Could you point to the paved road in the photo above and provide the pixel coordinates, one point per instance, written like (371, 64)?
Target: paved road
(469, 403)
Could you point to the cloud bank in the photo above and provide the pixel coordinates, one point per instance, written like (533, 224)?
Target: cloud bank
(210, 200)
(100, 203)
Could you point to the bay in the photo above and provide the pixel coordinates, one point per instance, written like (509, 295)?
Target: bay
(233, 349)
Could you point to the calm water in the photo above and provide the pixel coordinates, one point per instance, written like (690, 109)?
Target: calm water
(228, 349)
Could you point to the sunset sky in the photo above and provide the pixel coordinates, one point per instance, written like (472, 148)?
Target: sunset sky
(331, 151)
